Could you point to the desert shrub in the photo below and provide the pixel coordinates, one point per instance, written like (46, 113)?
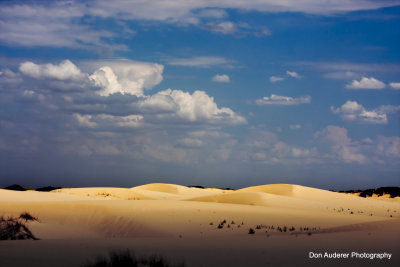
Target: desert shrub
(15, 187)
(47, 188)
(251, 231)
(14, 228)
(127, 259)
(27, 217)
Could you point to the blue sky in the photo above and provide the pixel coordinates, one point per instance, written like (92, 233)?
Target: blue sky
(213, 93)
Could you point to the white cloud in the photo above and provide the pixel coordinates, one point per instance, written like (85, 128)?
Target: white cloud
(199, 107)
(224, 27)
(130, 121)
(273, 79)
(53, 24)
(126, 77)
(341, 67)
(293, 74)
(354, 112)
(366, 83)
(64, 23)
(389, 146)
(283, 100)
(223, 78)
(341, 144)
(107, 120)
(161, 10)
(395, 86)
(66, 70)
(85, 120)
(212, 13)
(202, 62)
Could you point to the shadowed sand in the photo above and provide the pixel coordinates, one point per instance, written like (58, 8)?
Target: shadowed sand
(77, 224)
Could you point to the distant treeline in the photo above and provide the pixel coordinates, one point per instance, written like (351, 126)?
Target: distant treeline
(17, 187)
(202, 187)
(393, 191)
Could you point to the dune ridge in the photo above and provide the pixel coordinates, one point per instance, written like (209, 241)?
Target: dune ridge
(167, 209)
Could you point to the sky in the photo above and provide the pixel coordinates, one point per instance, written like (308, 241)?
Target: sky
(213, 93)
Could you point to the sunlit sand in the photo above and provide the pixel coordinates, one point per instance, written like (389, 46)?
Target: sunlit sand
(77, 224)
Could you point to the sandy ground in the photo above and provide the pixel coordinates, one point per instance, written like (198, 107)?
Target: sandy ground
(77, 224)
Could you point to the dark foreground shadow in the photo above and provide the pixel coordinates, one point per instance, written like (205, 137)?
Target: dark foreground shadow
(128, 259)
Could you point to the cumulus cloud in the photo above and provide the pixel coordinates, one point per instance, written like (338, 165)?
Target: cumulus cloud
(66, 70)
(273, 79)
(199, 107)
(283, 100)
(126, 77)
(341, 144)
(223, 78)
(366, 83)
(263, 146)
(113, 96)
(395, 86)
(389, 146)
(293, 74)
(107, 121)
(354, 112)
(85, 120)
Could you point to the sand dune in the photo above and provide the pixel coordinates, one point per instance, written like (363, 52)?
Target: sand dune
(167, 211)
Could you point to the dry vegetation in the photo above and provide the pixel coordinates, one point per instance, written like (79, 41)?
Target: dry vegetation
(15, 228)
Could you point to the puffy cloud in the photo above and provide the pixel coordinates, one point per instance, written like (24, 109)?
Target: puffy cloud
(389, 146)
(395, 86)
(263, 146)
(293, 74)
(223, 78)
(66, 70)
(366, 83)
(273, 79)
(283, 100)
(126, 77)
(85, 120)
(199, 107)
(113, 96)
(9, 77)
(334, 135)
(201, 62)
(354, 112)
(341, 144)
(108, 121)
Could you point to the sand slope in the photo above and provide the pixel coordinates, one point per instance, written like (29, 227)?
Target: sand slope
(168, 212)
